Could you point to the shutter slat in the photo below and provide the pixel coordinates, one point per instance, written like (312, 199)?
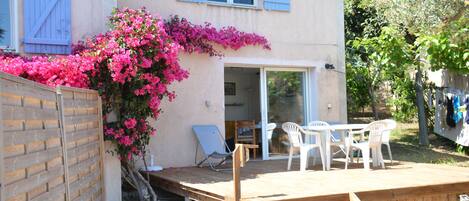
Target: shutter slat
(47, 26)
(47, 41)
(279, 5)
(42, 18)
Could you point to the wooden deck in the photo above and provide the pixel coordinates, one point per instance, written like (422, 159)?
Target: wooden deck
(269, 180)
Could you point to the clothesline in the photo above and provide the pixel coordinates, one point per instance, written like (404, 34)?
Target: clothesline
(453, 90)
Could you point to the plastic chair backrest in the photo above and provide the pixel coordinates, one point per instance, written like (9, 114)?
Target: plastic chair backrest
(390, 125)
(327, 125)
(270, 130)
(210, 139)
(375, 130)
(294, 133)
(321, 123)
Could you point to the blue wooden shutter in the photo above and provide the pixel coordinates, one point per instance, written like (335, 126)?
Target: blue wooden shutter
(47, 25)
(5, 23)
(281, 5)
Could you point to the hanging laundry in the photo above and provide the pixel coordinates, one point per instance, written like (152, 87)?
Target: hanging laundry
(450, 112)
(457, 114)
(467, 110)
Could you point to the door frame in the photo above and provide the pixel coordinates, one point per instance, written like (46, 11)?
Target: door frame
(264, 103)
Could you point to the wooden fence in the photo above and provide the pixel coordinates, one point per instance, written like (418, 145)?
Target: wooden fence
(51, 142)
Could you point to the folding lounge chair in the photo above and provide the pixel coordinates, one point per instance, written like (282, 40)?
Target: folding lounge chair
(213, 145)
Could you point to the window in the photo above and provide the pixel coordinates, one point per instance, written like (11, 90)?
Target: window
(236, 2)
(7, 24)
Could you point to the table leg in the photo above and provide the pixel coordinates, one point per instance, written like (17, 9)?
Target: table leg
(349, 143)
(328, 149)
(374, 155)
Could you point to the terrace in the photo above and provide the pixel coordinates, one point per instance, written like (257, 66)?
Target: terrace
(269, 180)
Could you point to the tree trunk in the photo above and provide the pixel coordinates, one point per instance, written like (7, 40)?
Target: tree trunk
(423, 130)
(143, 187)
(371, 92)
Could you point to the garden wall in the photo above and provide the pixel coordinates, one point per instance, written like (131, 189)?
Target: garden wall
(52, 142)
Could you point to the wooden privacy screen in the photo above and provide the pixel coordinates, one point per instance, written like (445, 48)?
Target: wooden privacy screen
(52, 142)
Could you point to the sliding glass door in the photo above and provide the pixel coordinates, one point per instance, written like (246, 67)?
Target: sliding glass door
(284, 97)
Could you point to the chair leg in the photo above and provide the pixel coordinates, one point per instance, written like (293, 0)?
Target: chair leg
(389, 152)
(347, 156)
(254, 153)
(374, 157)
(380, 157)
(200, 163)
(323, 160)
(358, 155)
(366, 158)
(314, 157)
(303, 159)
(290, 158)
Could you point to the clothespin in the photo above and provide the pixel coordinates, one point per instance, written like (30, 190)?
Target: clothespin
(462, 108)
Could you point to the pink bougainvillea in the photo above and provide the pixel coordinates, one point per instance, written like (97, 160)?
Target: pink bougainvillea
(130, 123)
(132, 67)
(66, 70)
(199, 38)
(134, 64)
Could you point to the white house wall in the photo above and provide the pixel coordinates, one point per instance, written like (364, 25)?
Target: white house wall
(309, 36)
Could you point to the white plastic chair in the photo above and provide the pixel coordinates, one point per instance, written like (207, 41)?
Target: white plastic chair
(374, 142)
(391, 125)
(295, 136)
(270, 130)
(334, 141)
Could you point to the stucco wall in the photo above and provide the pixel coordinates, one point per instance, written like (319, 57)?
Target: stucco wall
(308, 36)
(199, 101)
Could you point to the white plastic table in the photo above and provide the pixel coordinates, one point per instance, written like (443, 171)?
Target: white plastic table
(326, 136)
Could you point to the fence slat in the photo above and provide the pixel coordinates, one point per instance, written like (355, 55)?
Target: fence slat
(80, 103)
(27, 113)
(81, 167)
(52, 194)
(80, 119)
(77, 135)
(27, 160)
(28, 136)
(74, 152)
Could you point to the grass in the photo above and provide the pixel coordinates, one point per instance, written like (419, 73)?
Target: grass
(405, 147)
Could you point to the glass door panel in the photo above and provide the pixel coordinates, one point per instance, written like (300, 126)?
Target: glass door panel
(285, 91)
